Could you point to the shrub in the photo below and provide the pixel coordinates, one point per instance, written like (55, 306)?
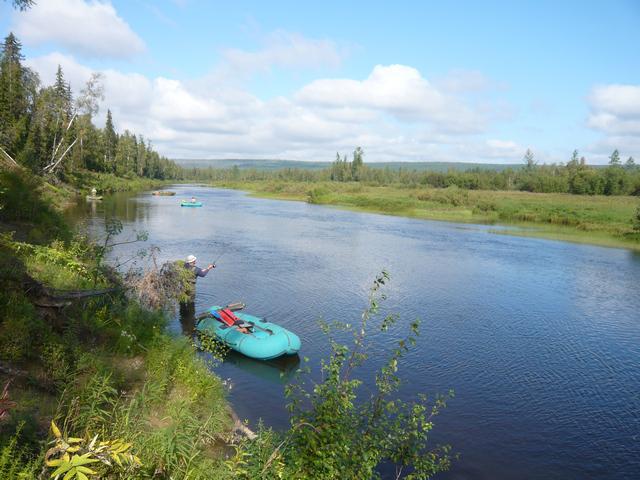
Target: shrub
(20, 328)
(21, 201)
(317, 195)
(334, 433)
(14, 461)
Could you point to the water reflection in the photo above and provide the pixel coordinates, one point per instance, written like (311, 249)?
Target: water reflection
(187, 318)
(278, 370)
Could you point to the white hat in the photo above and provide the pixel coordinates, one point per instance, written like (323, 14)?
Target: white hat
(191, 259)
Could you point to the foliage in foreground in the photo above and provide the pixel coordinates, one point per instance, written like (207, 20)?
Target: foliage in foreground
(338, 432)
(103, 367)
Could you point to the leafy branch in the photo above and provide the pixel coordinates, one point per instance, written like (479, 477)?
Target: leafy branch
(71, 455)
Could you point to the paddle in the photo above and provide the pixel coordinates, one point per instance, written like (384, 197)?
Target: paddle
(234, 307)
(219, 317)
(270, 332)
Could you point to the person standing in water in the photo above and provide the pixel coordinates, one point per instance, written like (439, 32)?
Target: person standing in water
(190, 264)
(187, 309)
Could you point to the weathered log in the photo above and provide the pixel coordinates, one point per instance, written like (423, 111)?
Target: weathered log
(42, 296)
(239, 428)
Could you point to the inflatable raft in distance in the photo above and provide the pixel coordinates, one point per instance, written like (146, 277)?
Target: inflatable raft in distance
(190, 204)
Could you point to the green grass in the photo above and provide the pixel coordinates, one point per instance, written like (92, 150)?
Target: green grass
(599, 220)
(106, 367)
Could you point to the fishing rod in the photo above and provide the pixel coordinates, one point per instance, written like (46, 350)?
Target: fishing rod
(224, 250)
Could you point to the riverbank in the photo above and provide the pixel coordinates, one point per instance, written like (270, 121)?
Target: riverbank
(81, 182)
(598, 220)
(77, 350)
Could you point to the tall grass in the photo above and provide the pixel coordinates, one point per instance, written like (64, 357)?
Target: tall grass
(15, 463)
(595, 219)
(174, 415)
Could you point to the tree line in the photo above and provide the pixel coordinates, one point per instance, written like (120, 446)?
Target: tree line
(576, 176)
(51, 132)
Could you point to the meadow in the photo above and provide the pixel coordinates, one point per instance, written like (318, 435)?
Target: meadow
(594, 219)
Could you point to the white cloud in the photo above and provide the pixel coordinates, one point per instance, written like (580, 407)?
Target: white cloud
(396, 90)
(46, 66)
(615, 109)
(620, 100)
(280, 49)
(91, 29)
(615, 112)
(394, 114)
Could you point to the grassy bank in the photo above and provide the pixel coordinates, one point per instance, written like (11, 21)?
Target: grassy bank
(105, 367)
(100, 365)
(598, 220)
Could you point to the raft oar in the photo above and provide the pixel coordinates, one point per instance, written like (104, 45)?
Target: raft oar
(235, 306)
(232, 306)
(270, 332)
(219, 317)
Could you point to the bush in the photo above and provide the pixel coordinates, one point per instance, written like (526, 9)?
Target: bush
(21, 330)
(14, 461)
(21, 201)
(451, 195)
(334, 434)
(317, 195)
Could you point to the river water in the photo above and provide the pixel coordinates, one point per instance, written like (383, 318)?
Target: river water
(540, 340)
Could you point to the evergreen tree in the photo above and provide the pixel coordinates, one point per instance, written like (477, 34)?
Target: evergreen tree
(23, 5)
(616, 181)
(357, 164)
(63, 92)
(13, 96)
(574, 158)
(630, 164)
(614, 159)
(110, 139)
(529, 161)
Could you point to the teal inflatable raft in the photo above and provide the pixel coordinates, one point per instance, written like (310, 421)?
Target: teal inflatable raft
(249, 335)
(190, 204)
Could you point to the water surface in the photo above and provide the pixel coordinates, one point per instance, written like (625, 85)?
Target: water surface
(540, 340)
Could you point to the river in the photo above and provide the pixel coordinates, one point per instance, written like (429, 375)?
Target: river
(540, 340)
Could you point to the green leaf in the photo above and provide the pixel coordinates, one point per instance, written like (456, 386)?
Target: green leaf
(82, 459)
(86, 470)
(61, 469)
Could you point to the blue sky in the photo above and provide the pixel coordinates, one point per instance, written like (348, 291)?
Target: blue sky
(407, 81)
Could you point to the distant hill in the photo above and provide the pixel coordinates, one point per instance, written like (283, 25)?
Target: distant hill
(270, 164)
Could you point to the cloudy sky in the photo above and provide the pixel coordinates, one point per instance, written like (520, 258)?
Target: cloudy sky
(405, 80)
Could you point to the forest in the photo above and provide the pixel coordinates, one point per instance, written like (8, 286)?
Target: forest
(50, 131)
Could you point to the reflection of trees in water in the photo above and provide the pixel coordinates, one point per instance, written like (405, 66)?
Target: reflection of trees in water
(120, 206)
